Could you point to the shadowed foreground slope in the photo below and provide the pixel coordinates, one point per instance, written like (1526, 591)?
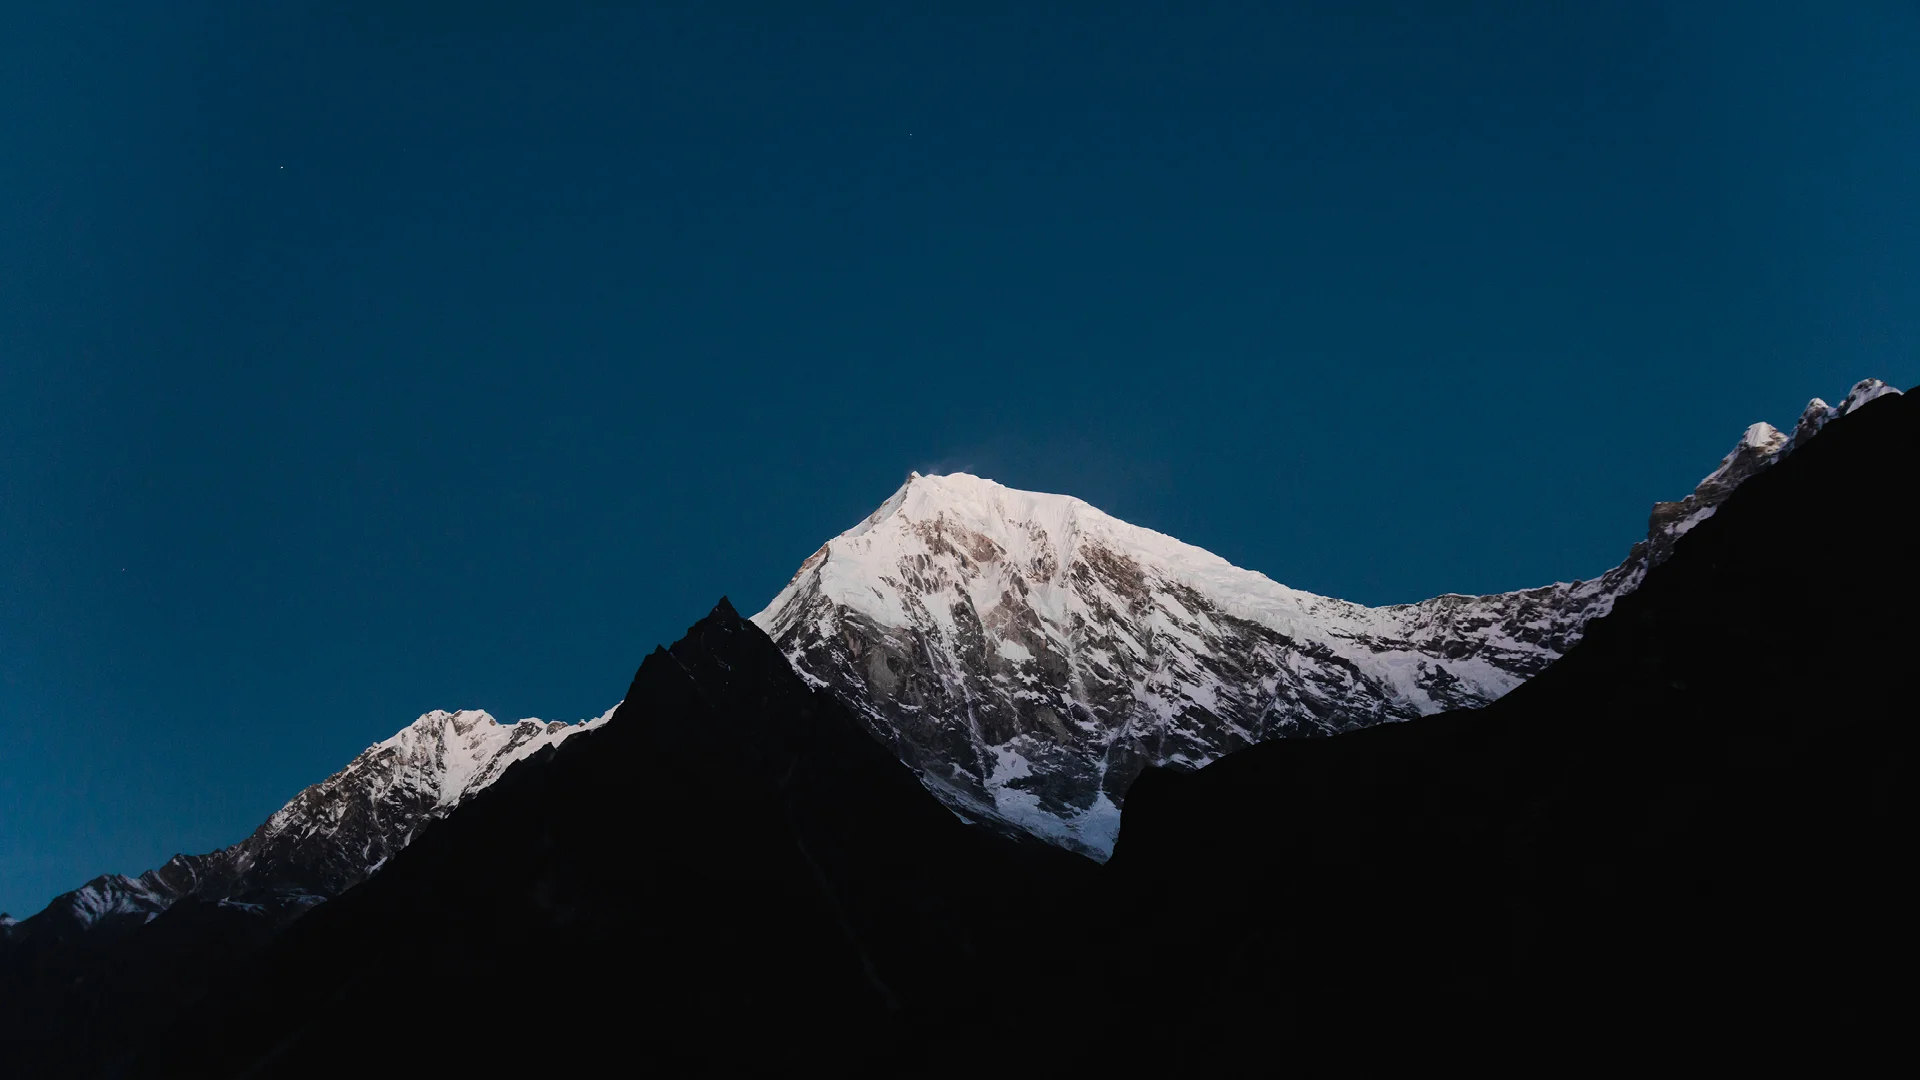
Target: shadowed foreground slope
(1689, 831)
(730, 874)
(1694, 826)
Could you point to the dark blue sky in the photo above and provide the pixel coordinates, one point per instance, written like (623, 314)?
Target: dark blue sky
(356, 365)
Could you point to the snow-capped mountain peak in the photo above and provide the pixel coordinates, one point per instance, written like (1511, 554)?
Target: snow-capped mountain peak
(337, 831)
(1762, 436)
(1819, 414)
(333, 834)
(1029, 654)
(1815, 414)
(999, 536)
(1025, 652)
(1864, 391)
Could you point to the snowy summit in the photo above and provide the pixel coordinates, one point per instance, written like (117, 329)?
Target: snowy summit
(1029, 655)
(330, 836)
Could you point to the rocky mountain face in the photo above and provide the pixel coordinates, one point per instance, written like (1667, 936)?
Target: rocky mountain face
(1028, 655)
(329, 838)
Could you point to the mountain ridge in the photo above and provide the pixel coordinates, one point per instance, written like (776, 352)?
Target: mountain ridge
(1683, 834)
(328, 837)
(1028, 654)
(1402, 866)
(1516, 634)
(732, 849)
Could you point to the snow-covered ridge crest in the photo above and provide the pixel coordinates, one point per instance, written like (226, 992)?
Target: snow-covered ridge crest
(1819, 414)
(1759, 447)
(333, 834)
(1028, 654)
(436, 761)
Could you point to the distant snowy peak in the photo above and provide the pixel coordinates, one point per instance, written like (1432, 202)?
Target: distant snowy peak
(1761, 438)
(1028, 654)
(1760, 447)
(1819, 414)
(430, 765)
(332, 835)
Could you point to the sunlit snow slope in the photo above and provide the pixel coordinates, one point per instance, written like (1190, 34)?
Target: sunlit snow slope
(331, 835)
(1029, 655)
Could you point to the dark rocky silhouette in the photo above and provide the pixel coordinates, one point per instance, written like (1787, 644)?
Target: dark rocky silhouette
(730, 875)
(1689, 832)
(1686, 838)
(324, 841)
